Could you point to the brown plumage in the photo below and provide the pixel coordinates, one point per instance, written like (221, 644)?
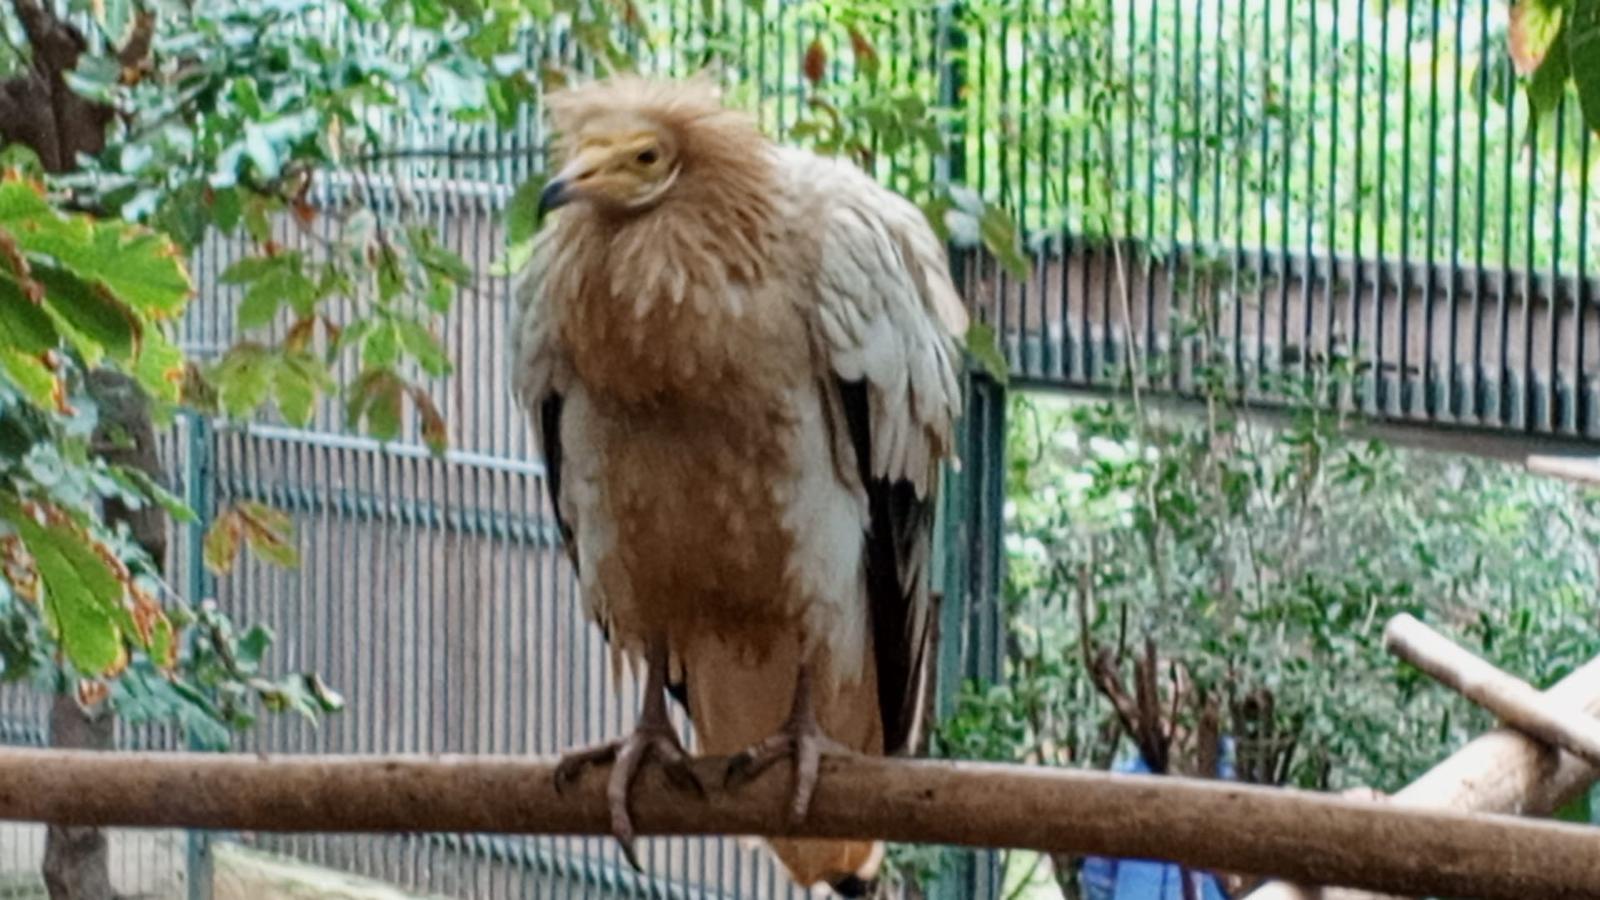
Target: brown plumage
(741, 363)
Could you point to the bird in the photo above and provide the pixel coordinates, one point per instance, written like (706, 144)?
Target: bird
(742, 365)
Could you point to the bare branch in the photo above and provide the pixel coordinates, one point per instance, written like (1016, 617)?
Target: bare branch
(1197, 823)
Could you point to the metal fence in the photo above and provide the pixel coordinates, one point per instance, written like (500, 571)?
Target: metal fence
(1290, 183)
(1293, 184)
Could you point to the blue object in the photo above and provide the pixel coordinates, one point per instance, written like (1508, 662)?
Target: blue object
(1140, 879)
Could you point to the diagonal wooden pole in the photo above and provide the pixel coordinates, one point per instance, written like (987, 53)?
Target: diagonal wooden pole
(1505, 771)
(1199, 823)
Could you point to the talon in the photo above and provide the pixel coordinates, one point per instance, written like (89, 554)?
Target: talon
(799, 739)
(652, 738)
(572, 766)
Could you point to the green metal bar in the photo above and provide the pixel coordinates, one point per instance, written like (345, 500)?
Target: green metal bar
(1583, 422)
(1381, 381)
(197, 475)
(1429, 375)
(1402, 349)
(1555, 413)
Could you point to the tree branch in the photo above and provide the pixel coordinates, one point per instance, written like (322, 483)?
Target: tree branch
(1198, 823)
(1503, 771)
(1513, 700)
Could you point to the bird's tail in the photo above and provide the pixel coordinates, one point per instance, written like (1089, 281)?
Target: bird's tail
(735, 702)
(849, 867)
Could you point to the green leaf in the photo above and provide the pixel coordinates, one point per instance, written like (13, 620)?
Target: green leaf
(998, 230)
(298, 379)
(1583, 54)
(377, 398)
(32, 376)
(160, 367)
(24, 325)
(444, 261)
(141, 268)
(420, 343)
(522, 212)
(252, 648)
(984, 345)
(259, 307)
(82, 593)
(273, 280)
(172, 503)
(92, 311)
(256, 220)
(244, 377)
(250, 268)
(381, 349)
(1549, 82)
(227, 210)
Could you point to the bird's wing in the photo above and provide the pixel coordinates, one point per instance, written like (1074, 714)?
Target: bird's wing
(885, 323)
(537, 376)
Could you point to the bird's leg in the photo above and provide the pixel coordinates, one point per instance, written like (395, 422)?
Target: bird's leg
(800, 738)
(653, 736)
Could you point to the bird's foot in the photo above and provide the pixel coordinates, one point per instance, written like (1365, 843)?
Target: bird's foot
(801, 740)
(648, 741)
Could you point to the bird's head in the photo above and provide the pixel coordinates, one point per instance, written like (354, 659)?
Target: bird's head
(619, 161)
(623, 143)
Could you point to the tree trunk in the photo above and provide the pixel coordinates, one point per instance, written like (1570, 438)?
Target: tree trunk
(39, 110)
(76, 858)
(76, 862)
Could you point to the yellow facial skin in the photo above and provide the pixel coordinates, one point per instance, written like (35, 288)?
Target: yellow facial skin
(615, 166)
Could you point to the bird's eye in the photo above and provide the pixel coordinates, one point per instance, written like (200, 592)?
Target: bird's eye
(648, 156)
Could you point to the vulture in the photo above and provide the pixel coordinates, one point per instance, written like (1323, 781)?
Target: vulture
(742, 367)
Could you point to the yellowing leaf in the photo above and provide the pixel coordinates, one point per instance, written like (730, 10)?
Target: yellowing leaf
(221, 545)
(434, 431)
(35, 379)
(1533, 27)
(82, 592)
(269, 533)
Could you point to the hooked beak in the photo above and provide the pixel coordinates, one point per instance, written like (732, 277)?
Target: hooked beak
(557, 193)
(567, 185)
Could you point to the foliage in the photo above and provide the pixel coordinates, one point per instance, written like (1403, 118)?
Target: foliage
(259, 124)
(81, 603)
(1552, 43)
(1261, 563)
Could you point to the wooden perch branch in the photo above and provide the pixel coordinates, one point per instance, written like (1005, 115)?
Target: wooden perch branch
(1202, 824)
(1513, 700)
(1504, 771)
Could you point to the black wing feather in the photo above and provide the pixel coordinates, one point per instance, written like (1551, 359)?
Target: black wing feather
(898, 520)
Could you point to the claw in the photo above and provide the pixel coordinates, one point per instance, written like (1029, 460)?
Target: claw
(652, 738)
(627, 757)
(800, 739)
(573, 765)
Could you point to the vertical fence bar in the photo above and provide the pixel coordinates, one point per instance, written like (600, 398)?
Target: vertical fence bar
(198, 476)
